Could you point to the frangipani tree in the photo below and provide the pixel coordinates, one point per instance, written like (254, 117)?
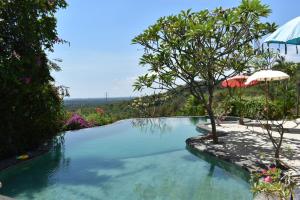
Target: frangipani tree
(197, 49)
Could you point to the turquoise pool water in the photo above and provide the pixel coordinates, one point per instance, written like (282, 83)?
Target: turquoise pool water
(131, 159)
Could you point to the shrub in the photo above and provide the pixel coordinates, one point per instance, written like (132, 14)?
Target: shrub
(100, 111)
(98, 120)
(254, 107)
(192, 107)
(278, 108)
(272, 182)
(30, 103)
(76, 122)
(29, 117)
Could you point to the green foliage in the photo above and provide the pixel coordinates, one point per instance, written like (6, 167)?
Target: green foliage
(148, 105)
(30, 103)
(193, 107)
(98, 120)
(254, 107)
(188, 45)
(224, 104)
(251, 102)
(291, 90)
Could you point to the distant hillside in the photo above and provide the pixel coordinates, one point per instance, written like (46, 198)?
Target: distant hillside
(92, 102)
(121, 108)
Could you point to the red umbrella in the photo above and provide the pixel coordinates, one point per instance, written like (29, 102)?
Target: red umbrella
(237, 82)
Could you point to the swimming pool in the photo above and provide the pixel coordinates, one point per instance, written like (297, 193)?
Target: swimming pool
(131, 159)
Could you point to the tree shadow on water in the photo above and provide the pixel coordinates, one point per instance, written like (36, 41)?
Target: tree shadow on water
(55, 169)
(190, 158)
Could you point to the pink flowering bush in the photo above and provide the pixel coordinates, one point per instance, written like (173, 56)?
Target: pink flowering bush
(273, 182)
(76, 122)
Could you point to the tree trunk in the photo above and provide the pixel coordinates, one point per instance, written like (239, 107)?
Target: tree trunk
(241, 121)
(277, 156)
(211, 113)
(278, 148)
(213, 124)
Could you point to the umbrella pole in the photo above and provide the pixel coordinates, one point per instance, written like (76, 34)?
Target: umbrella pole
(241, 120)
(267, 101)
(298, 98)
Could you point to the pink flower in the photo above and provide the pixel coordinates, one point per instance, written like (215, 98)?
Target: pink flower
(77, 121)
(264, 171)
(268, 179)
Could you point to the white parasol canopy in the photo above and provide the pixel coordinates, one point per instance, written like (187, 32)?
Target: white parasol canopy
(289, 33)
(267, 75)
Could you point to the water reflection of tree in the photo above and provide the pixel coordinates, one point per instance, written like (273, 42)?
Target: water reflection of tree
(196, 120)
(31, 177)
(235, 172)
(152, 125)
(170, 187)
(232, 169)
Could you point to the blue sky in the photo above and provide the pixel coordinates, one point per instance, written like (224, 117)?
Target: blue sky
(101, 58)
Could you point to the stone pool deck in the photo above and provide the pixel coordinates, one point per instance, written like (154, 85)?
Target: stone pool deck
(243, 145)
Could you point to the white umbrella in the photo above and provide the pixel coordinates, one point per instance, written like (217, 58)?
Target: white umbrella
(267, 75)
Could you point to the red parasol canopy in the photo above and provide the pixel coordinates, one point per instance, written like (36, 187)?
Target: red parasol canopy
(237, 82)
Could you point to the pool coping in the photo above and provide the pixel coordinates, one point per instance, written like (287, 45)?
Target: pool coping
(197, 144)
